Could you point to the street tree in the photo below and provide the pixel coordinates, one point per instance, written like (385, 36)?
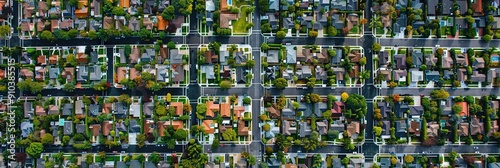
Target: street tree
(280, 83)
(280, 34)
(34, 149)
(263, 6)
(225, 84)
(408, 159)
(376, 47)
(168, 13)
(69, 87)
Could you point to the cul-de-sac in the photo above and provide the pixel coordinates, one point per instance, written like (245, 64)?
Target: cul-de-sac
(249, 84)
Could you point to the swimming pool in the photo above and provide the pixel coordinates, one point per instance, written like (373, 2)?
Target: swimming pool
(495, 59)
(230, 2)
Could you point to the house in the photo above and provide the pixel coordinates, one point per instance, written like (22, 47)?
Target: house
(432, 76)
(432, 129)
(417, 76)
(430, 60)
(177, 74)
(28, 74)
(478, 63)
(26, 129)
(79, 107)
(400, 75)
(400, 60)
(337, 109)
(463, 129)
(321, 127)
(135, 110)
(417, 58)
(133, 24)
(175, 56)
(353, 129)
(80, 128)
(242, 128)
(209, 126)
(477, 127)
(225, 18)
(148, 108)
(28, 109)
(272, 56)
(414, 127)
(385, 108)
(477, 77)
(107, 126)
(68, 128)
(304, 129)
(383, 58)
(40, 111)
(416, 111)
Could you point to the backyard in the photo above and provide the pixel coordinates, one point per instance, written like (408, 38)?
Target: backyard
(240, 25)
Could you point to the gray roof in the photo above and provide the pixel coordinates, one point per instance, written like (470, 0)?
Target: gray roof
(161, 74)
(53, 73)
(240, 57)
(148, 108)
(135, 163)
(304, 129)
(121, 108)
(28, 109)
(175, 57)
(82, 74)
(94, 109)
(209, 70)
(67, 109)
(432, 75)
(68, 127)
(149, 164)
(209, 5)
(95, 73)
(148, 55)
(93, 57)
(241, 75)
(272, 56)
(291, 54)
(80, 128)
(121, 164)
(134, 127)
(274, 4)
(417, 58)
(26, 129)
(55, 129)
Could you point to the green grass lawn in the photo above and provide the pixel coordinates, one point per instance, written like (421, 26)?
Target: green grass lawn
(355, 30)
(240, 25)
(238, 3)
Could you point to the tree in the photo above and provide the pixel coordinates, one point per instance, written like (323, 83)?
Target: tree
(73, 3)
(251, 160)
(344, 96)
(225, 84)
(73, 33)
(408, 159)
(362, 61)
(280, 83)
(264, 47)
(394, 160)
(118, 11)
(266, 127)
(48, 139)
(376, 47)
(264, 6)
(486, 37)
(313, 33)
(357, 105)
(332, 134)
(69, 87)
(315, 98)
(250, 64)
(345, 161)
(439, 94)
(269, 150)
(35, 149)
(186, 108)
(47, 35)
(92, 34)
(171, 45)
(201, 109)
(453, 155)
(280, 34)
(180, 134)
(331, 31)
(141, 140)
(229, 135)
(168, 98)
(168, 13)
(377, 130)
(456, 109)
(154, 157)
(491, 159)
(145, 34)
